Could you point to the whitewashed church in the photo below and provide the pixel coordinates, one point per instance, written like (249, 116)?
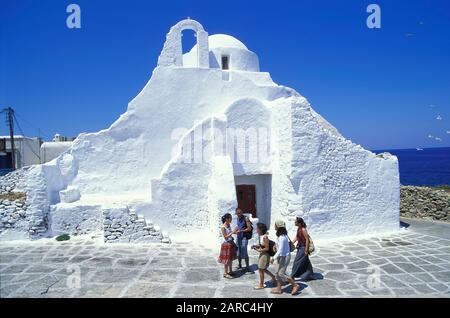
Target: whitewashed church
(208, 133)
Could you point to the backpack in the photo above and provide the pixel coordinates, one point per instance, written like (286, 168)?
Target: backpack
(249, 235)
(311, 248)
(272, 249)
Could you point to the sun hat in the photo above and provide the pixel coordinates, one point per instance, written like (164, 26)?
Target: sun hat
(280, 223)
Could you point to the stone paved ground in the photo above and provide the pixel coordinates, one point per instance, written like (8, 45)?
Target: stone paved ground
(410, 263)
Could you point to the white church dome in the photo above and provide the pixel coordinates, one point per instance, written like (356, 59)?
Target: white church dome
(225, 52)
(225, 41)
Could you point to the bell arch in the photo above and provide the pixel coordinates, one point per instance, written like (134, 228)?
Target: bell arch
(172, 53)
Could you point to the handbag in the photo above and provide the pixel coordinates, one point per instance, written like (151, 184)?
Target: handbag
(311, 247)
(291, 245)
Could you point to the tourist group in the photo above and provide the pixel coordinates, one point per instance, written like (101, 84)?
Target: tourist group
(235, 246)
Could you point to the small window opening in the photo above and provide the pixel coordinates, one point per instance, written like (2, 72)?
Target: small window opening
(225, 62)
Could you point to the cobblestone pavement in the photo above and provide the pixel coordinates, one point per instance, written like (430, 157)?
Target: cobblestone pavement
(405, 264)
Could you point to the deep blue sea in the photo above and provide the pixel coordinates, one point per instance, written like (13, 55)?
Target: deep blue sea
(428, 167)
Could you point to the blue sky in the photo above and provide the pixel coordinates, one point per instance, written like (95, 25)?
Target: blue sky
(382, 88)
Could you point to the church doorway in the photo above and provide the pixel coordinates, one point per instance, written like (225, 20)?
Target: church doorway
(246, 198)
(254, 195)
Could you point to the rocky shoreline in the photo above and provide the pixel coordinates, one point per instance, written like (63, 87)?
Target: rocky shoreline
(425, 203)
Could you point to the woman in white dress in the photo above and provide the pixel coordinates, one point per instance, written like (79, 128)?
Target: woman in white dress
(282, 258)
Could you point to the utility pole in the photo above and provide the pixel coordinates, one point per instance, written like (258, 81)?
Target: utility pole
(10, 121)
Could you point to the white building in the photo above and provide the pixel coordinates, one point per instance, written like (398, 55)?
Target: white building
(26, 152)
(53, 149)
(209, 132)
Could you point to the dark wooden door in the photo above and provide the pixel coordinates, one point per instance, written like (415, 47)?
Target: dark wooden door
(246, 197)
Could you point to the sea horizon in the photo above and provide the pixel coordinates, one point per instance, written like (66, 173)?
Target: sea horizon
(422, 166)
(394, 149)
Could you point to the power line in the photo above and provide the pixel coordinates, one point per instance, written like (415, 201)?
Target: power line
(39, 130)
(10, 121)
(23, 134)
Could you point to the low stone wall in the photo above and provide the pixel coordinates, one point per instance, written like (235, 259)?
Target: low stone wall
(425, 203)
(13, 182)
(12, 211)
(120, 225)
(76, 220)
(13, 201)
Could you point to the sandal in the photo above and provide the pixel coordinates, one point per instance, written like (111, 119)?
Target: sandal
(258, 287)
(228, 276)
(295, 290)
(276, 292)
